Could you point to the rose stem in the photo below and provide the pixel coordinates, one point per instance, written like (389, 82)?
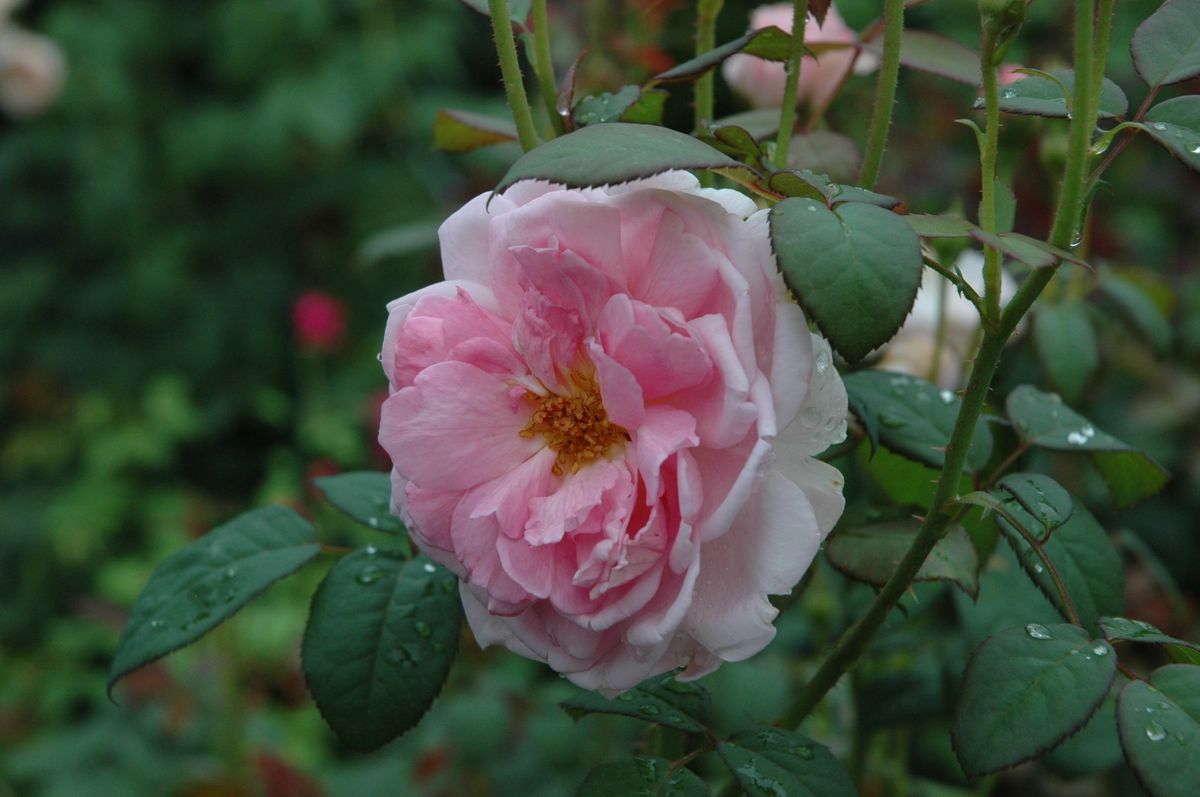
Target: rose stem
(706, 39)
(510, 71)
(787, 114)
(885, 92)
(991, 146)
(850, 647)
(543, 66)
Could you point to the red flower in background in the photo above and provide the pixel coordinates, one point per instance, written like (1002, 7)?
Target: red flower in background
(319, 321)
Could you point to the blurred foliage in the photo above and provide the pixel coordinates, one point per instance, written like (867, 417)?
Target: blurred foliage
(210, 161)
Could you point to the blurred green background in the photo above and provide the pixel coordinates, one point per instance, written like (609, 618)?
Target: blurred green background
(209, 163)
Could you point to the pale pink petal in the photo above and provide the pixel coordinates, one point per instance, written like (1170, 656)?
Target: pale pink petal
(464, 239)
(399, 310)
(664, 432)
(654, 345)
(721, 406)
(576, 495)
(768, 550)
(619, 389)
(791, 362)
(454, 428)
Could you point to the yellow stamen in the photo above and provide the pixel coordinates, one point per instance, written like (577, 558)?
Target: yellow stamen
(575, 425)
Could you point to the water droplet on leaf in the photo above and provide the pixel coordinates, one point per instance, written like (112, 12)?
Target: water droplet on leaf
(1038, 631)
(1155, 732)
(1100, 650)
(422, 628)
(429, 568)
(369, 574)
(649, 709)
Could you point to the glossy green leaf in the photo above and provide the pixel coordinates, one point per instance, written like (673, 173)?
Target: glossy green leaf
(1041, 497)
(1037, 95)
(1025, 690)
(365, 496)
(613, 153)
(1007, 599)
(930, 226)
(1166, 46)
(661, 700)
(380, 639)
(1159, 725)
(737, 142)
(1085, 559)
(206, 582)
(871, 553)
(855, 269)
(825, 152)
(913, 416)
(630, 104)
(1095, 747)
(770, 43)
(648, 110)
(1030, 251)
(1176, 125)
(939, 55)
(1143, 313)
(1066, 345)
(1122, 629)
(463, 131)
(770, 762)
(1043, 420)
(641, 776)
(762, 123)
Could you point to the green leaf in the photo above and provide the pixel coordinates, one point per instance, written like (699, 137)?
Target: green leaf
(762, 123)
(1095, 747)
(1042, 419)
(1176, 125)
(518, 11)
(855, 269)
(770, 43)
(770, 762)
(1041, 497)
(1086, 560)
(207, 581)
(938, 55)
(1159, 724)
(463, 131)
(1121, 629)
(1007, 598)
(1066, 345)
(1030, 251)
(630, 104)
(1025, 690)
(1146, 316)
(641, 776)
(613, 153)
(870, 554)
(913, 416)
(380, 640)
(365, 496)
(929, 226)
(1166, 47)
(1006, 207)
(825, 152)
(661, 700)
(1037, 95)
(736, 141)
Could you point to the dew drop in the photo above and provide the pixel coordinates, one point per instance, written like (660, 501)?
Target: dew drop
(156, 623)
(947, 396)
(369, 574)
(1008, 94)
(1077, 439)
(804, 752)
(625, 697)
(812, 208)
(1194, 148)
(422, 628)
(1100, 650)
(1037, 568)
(649, 709)
(822, 362)
(1038, 631)
(1159, 126)
(373, 522)
(429, 568)
(372, 550)
(1155, 732)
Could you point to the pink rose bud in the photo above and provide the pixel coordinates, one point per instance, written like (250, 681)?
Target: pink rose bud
(32, 72)
(604, 422)
(318, 321)
(762, 82)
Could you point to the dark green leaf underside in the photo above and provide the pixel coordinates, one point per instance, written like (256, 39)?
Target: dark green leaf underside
(661, 700)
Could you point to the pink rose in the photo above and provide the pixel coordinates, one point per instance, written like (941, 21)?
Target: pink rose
(603, 422)
(1010, 73)
(762, 82)
(318, 321)
(32, 72)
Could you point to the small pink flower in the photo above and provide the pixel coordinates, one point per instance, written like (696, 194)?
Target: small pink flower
(318, 320)
(604, 421)
(762, 82)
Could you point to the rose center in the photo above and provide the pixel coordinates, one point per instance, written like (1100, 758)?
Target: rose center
(575, 426)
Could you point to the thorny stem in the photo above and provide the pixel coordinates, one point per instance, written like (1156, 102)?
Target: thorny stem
(787, 114)
(991, 145)
(544, 67)
(510, 71)
(885, 92)
(936, 523)
(706, 39)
